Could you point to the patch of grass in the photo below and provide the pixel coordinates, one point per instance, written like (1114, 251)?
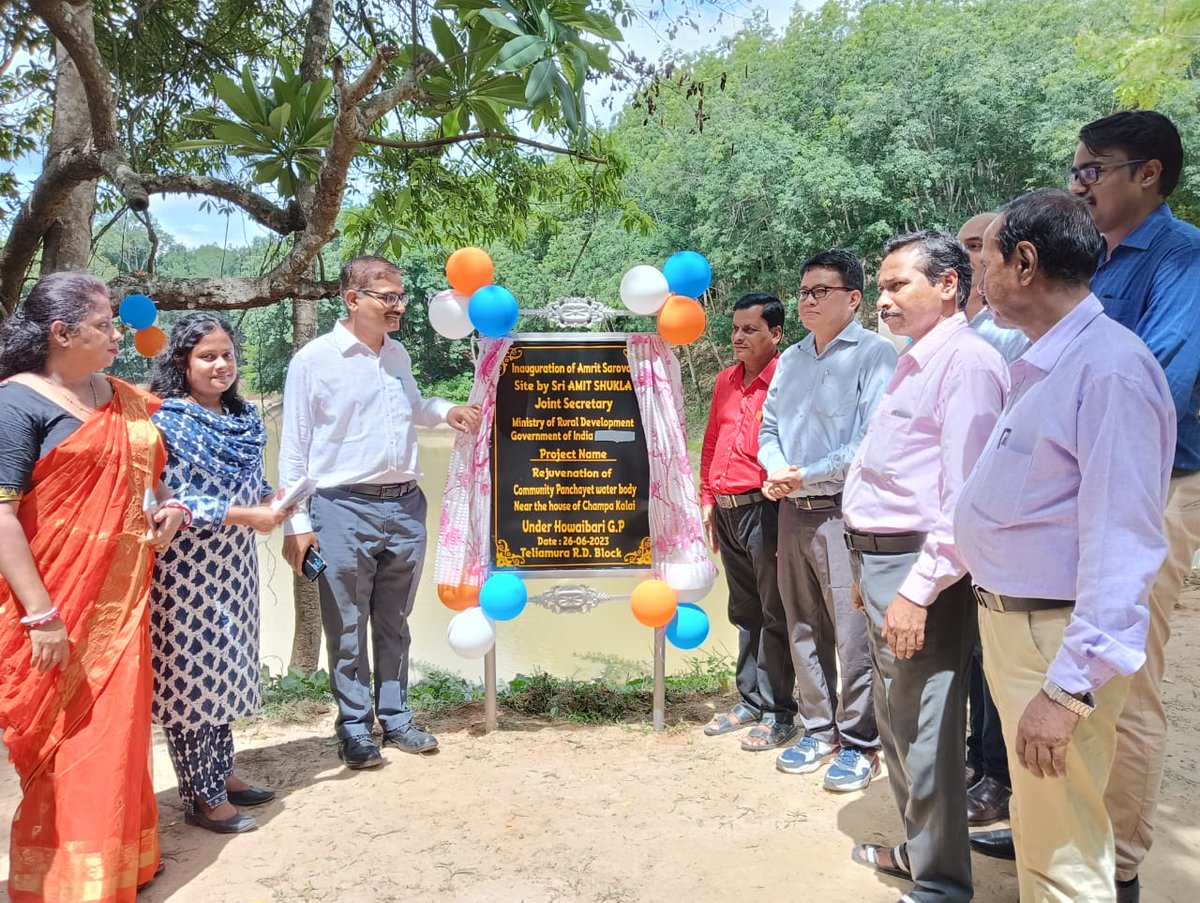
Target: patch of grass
(600, 700)
(285, 695)
(440, 690)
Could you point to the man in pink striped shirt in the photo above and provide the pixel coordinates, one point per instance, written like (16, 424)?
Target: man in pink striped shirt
(901, 491)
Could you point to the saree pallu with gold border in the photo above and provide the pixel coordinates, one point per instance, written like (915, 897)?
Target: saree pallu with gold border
(87, 825)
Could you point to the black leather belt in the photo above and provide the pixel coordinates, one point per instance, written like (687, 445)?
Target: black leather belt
(884, 543)
(816, 502)
(999, 602)
(737, 501)
(382, 490)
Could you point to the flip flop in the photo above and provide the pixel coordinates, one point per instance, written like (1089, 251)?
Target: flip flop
(868, 854)
(773, 735)
(735, 719)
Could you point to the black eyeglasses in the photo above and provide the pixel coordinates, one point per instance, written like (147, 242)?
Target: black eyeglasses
(819, 292)
(1090, 174)
(388, 299)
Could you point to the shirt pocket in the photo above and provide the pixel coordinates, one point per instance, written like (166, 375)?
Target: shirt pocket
(1126, 311)
(1007, 473)
(889, 443)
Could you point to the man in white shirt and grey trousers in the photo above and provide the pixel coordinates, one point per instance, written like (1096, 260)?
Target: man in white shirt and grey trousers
(350, 412)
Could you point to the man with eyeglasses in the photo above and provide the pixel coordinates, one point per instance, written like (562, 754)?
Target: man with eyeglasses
(826, 386)
(1148, 280)
(1125, 168)
(350, 409)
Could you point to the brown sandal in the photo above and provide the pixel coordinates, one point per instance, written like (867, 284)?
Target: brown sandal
(769, 736)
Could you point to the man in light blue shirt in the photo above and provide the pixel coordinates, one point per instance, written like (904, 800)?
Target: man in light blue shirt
(825, 389)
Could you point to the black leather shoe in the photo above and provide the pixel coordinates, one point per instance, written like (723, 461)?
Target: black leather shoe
(359, 751)
(410, 738)
(1129, 891)
(974, 773)
(987, 802)
(251, 796)
(997, 844)
(238, 823)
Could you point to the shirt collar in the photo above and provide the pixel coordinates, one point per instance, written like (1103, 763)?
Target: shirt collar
(346, 341)
(850, 334)
(1045, 352)
(984, 315)
(922, 351)
(1148, 229)
(765, 376)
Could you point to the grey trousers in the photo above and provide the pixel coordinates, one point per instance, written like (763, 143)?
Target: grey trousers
(765, 678)
(374, 550)
(921, 704)
(814, 580)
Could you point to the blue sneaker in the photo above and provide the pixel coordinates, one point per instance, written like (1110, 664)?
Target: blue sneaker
(806, 756)
(852, 770)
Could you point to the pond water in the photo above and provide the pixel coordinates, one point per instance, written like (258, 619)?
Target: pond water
(566, 645)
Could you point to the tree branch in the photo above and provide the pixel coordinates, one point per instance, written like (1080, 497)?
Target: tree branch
(63, 20)
(58, 179)
(479, 136)
(380, 60)
(223, 293)
(283, 221)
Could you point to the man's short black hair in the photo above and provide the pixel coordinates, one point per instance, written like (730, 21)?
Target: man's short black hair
(940, 253)
(844, 262)
(1142, 135)
(1062, 229)
(772, 307)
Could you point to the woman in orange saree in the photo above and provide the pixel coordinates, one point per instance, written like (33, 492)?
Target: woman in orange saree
(75, 678)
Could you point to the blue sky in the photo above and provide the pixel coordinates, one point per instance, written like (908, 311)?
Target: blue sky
(182, 217)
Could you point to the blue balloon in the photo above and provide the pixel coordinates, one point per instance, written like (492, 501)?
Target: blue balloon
(688, 273)
(138, 312)
(689, 628)
(503, 596)
(493, 310)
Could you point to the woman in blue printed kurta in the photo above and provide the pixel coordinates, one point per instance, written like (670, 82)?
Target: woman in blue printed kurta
(204, 603)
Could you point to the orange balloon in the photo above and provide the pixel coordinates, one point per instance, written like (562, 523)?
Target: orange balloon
(469, 269)
(681, 320)
(458, 598)
(150, 341)
(653, 603)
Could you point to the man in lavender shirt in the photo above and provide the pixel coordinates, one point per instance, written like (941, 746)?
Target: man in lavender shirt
(1061, 526)
(898, 505)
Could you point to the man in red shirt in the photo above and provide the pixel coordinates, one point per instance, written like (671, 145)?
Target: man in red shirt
(742, 524)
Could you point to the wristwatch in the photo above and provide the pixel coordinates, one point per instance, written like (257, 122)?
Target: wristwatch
(1081, 707)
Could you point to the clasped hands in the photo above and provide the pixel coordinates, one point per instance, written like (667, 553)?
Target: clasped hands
(782, 483)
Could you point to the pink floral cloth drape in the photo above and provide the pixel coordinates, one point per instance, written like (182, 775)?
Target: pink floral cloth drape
(676, 536)
(680, 554)
(464, 537)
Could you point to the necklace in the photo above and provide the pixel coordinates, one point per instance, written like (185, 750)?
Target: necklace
(73, 401)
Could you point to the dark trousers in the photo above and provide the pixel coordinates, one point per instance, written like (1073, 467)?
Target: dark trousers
(921, 708)
(747, 539)
(985, 744)
(374, 550)
(202, 757)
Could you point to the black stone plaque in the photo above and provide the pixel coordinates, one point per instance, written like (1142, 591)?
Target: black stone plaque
(570, 473)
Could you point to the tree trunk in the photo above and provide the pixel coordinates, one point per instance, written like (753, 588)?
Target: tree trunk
(306, 635)
(68, 243)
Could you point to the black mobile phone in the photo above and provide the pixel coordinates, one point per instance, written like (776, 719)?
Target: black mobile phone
(313, 564)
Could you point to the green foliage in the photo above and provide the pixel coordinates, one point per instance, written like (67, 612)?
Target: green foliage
(282, 690)
(282, 132)
(1154, 62)
(606, 699)
(439, 690)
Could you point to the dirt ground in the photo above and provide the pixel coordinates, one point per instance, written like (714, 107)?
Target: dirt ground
(558, 812)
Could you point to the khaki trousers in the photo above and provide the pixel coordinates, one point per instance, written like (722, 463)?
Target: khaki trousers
(1132, 796)
(1060, 827)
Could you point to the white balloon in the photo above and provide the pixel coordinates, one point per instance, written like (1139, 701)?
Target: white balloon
(691, 582)
(448, 314)
(644, 289)
(471, 633)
